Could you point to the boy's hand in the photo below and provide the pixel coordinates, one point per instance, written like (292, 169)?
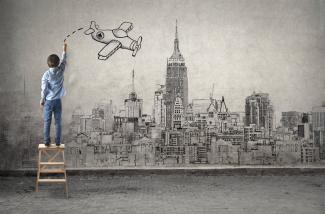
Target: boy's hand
(65, 47)
(41, 103)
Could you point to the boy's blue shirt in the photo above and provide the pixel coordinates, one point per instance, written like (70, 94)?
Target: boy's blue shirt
(52, 81)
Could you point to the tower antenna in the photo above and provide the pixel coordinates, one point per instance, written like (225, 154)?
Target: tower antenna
(133, 89)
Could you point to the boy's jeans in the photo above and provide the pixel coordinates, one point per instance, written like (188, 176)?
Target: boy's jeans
(54, 106)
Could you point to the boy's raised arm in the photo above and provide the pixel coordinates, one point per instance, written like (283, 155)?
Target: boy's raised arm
(63, 58)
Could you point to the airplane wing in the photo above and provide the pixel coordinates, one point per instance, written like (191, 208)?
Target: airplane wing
(109, 49)
(126, 26)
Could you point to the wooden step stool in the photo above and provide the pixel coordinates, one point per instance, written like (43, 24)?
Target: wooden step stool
(51, 165)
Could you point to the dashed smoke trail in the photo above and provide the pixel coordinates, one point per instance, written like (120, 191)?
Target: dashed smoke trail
(79, 29)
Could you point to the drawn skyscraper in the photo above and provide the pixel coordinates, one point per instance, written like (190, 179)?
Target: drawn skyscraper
(133, 105)
(318, 120)
(178, 114)
(176, 81)
(259, 111)
(159, 111)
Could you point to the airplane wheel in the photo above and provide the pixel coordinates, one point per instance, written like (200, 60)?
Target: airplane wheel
(135, 51)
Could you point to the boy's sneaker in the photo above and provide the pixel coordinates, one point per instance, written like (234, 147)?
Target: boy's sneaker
(47, 144)
(58, 145)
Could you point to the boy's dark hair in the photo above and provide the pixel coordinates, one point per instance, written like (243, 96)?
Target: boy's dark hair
(53, 61)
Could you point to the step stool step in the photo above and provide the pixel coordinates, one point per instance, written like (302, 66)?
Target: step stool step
(52, 163)
(48, 180)
(51, 147)
(52, 171)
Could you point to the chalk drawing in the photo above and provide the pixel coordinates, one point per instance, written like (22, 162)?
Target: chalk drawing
(114, 39)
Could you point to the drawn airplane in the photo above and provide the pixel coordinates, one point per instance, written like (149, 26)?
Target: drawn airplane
(114, 39)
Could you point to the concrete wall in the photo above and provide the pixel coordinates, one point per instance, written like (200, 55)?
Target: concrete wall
(275, 47)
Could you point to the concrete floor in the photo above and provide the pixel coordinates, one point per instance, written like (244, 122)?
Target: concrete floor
(167, 194)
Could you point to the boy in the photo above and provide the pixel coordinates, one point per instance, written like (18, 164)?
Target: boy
(52, 92)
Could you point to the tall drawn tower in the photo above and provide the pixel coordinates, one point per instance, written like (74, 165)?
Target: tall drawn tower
(259, 111)
(176, 81)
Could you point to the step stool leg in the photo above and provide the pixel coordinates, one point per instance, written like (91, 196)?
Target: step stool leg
(66, 187)
(65, 176)
(38, 169)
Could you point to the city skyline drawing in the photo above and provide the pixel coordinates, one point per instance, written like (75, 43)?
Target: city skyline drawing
(181, 133)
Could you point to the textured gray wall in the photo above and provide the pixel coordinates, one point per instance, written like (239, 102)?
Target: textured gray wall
(270, 46)
(241, 46)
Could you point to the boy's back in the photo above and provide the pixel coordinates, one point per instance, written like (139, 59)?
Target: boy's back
(52, 81)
